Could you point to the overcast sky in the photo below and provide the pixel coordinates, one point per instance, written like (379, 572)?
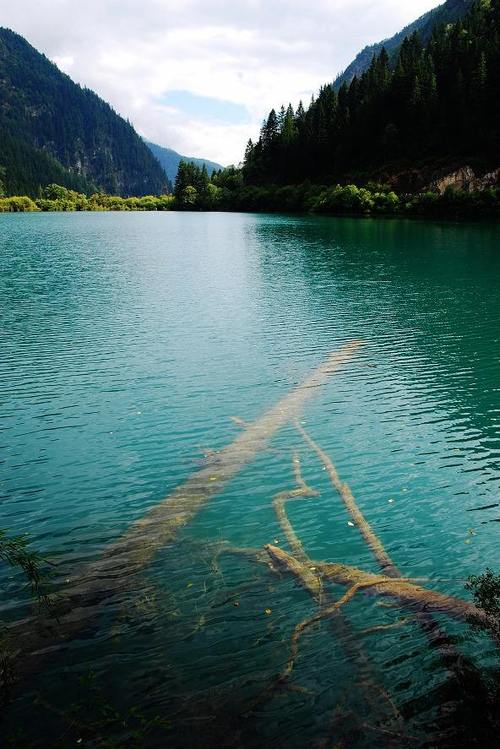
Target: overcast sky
(199, 75)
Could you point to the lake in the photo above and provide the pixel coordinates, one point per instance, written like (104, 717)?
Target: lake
(134, 348)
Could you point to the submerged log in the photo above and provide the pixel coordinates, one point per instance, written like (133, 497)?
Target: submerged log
(450, 656)
(162, 522)
(408, 593)
(311, 579)
(371, 538)
(83, 591)
(403, 590)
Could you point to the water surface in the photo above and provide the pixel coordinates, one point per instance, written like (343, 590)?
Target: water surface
(127, 343)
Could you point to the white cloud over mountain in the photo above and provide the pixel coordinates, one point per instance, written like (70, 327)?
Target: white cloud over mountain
(227, 62)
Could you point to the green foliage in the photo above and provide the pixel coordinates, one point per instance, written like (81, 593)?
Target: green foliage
(52, 130)
(449, 12)
(17, 204)
(26, 169)
(14, 551)
(191, 188)
(188, 197)
(486, 590)
(227, 192)
(170, 161)
(230, 178)
(59, 198)
(456, 203)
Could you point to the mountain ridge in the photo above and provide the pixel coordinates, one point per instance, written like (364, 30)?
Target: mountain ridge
(448, 12)
(170, 160)
(46, 119)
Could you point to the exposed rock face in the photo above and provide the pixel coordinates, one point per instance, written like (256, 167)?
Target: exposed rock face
(438, 180)
(466, 179)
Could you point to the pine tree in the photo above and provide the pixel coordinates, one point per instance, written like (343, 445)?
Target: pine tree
(270, 130)
(289, 130)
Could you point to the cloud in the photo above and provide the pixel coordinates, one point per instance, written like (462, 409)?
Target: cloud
(199, 75)
(64, 63)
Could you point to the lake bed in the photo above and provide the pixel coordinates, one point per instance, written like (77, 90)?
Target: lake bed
(135, 348)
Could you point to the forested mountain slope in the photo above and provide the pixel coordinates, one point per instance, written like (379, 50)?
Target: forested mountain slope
(449, 12)
(53, 130)
(437, 104)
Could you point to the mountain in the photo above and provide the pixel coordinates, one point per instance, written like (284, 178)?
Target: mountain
(170, 161)
(24, 169)
(53, 130)
(449, 12)
(435, 106)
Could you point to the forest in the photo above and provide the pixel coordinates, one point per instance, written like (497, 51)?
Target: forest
(436, 104)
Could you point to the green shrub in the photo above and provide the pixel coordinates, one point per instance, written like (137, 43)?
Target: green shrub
(17, 204)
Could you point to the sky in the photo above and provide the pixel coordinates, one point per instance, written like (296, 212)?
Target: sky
(200, 75)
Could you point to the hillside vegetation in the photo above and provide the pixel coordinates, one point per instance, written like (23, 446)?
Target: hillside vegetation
(449, 12)
(51, 129)
(438, 104)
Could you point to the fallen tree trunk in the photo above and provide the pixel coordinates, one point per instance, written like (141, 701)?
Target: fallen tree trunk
(371, 538)
(310, 578)
(162, 522)
(403, 590)
(82, 592)
(451, 657)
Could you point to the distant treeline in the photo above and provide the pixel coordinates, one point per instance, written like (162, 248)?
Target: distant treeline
(227, 192)
(374, 199)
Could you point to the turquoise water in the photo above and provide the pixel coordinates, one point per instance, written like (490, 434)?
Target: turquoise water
(128, 342)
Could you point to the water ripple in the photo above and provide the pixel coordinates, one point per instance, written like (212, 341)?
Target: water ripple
(127, 344)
